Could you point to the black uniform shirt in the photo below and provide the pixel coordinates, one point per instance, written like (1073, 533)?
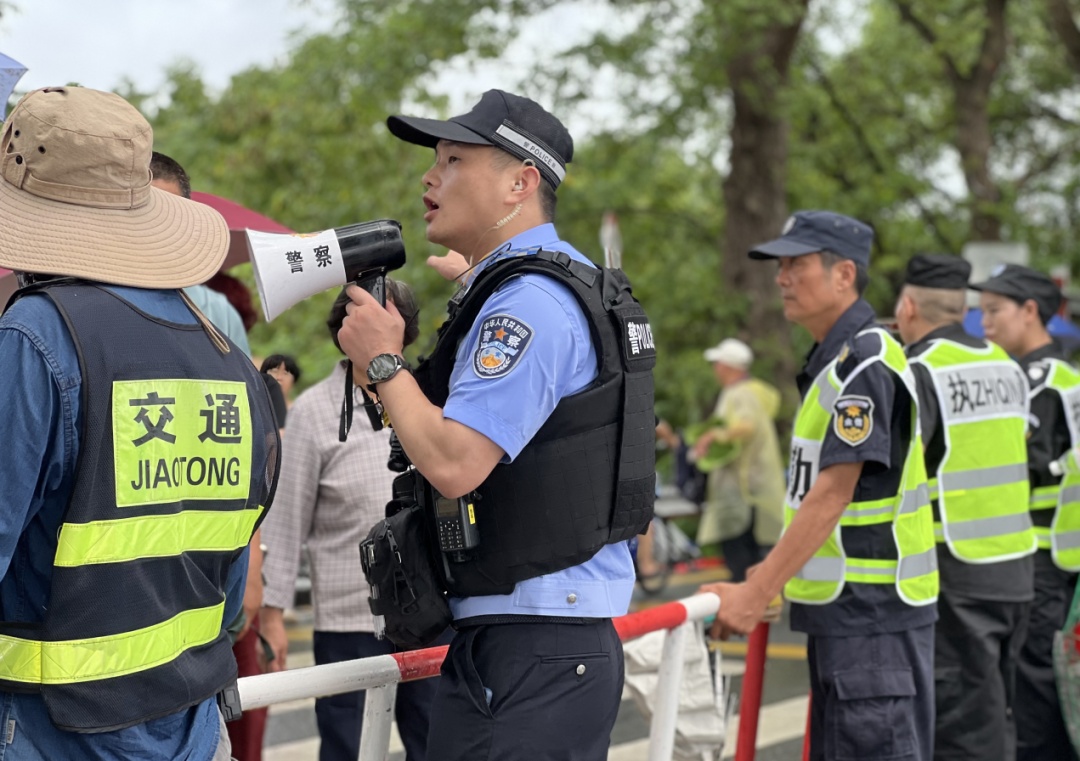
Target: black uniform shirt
(862, 608)
(1049, 431)
(1008, 581)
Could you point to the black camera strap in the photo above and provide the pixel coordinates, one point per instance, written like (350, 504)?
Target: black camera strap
(371, 407)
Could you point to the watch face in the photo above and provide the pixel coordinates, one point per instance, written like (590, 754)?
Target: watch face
(382, 367)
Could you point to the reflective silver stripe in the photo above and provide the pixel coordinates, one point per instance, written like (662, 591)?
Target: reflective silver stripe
(1070, 494)
(915, 566)
(853, 567)
(822, 569)
(1068, 540)
(914, 499)
(855, 513)
(979, 478)
(826, 393)
(984, 528)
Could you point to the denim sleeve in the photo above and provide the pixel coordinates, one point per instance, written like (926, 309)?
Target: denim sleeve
(234, 587)
(32, 423)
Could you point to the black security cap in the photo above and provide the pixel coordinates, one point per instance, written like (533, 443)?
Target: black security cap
(1023, 283)
(808, 232)
(519, 126)
(938, 271)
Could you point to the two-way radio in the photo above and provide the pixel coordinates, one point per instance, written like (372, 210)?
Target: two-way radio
(455, 521)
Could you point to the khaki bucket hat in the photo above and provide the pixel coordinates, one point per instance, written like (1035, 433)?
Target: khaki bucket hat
(76, 199)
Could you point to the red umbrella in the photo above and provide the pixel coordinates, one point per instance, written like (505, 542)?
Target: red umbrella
(239, 218)
(7, 286)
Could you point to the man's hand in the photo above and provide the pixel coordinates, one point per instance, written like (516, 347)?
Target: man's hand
(701, 446)
(368, 329)
(451, 266)
(272, 628)
(742, 607)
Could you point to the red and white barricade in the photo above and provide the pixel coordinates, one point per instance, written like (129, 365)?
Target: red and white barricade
(381, 674)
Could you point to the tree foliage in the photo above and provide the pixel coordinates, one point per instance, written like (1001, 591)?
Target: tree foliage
(937, 121)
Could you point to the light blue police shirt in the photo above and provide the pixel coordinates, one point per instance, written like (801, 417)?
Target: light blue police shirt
(509, 399)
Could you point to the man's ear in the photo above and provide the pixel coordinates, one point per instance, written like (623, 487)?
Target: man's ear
(1031, 311)
(844, 272)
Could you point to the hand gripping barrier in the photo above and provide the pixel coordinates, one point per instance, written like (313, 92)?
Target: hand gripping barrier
(381, 674)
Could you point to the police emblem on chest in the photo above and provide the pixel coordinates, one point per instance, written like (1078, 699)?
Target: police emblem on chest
(854, 419)
(503, 341)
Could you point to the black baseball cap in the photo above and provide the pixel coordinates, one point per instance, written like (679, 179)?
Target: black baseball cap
(944, 271)
(808, 232)
(1023, 283)
(519, 126)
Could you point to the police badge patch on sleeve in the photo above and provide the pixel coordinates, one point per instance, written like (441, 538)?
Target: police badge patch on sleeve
(854, 419)
(503, 341)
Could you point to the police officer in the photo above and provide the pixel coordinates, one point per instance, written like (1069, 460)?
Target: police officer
(519, 408)
(141, 447)
(973, 407)
(857, 555)
(1017, 303)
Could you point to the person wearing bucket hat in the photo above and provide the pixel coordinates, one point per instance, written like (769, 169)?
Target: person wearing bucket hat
(857, 557)
(975, 451)
(1017, 303)
(143, 451)
(514, 400)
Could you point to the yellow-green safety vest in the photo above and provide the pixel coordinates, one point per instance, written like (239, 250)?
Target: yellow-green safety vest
(1062, 537)
(914, 571)
(981, 485)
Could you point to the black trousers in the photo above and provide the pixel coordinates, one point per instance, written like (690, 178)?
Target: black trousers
(1040, 728)
(872, 696)
(528, 692)
(340, 717)
(741, 552)
(977, 644)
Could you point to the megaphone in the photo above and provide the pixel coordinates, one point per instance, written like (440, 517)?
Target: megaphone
(291, 267)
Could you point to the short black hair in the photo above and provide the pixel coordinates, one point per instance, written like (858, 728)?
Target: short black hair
(548, 199)
(164, 167)
(277, 360)
(862, 275)
(398, 292)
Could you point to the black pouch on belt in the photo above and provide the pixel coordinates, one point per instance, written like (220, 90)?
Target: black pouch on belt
(406, 590)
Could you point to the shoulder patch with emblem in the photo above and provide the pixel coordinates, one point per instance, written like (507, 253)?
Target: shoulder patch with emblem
(503, 341)
(854, 419)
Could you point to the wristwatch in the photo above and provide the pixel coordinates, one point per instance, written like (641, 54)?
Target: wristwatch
(384, 367)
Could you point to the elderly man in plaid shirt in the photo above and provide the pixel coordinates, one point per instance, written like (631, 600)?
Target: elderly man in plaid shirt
(329, 494)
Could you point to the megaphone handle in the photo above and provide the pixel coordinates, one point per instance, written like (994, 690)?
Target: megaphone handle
(374, 283)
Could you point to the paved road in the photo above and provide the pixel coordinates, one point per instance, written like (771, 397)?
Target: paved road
(291, 733)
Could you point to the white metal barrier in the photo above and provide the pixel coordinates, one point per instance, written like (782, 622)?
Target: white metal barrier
(381, 674)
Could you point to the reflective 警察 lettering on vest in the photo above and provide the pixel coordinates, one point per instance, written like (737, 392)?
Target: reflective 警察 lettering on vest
(179, 440)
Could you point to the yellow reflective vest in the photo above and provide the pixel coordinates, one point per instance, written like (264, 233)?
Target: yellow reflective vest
(981, 486)
(1062, 536)
(914, 570)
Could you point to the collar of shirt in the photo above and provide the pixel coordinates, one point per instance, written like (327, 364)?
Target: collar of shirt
(953, 331)
(528, 242)
(858, 316)
(1051, 350)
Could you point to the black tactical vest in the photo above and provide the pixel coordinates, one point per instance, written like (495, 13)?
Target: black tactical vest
(178, 460)
(587, 478)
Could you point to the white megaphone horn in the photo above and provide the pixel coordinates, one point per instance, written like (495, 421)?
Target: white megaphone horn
(289, 268)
